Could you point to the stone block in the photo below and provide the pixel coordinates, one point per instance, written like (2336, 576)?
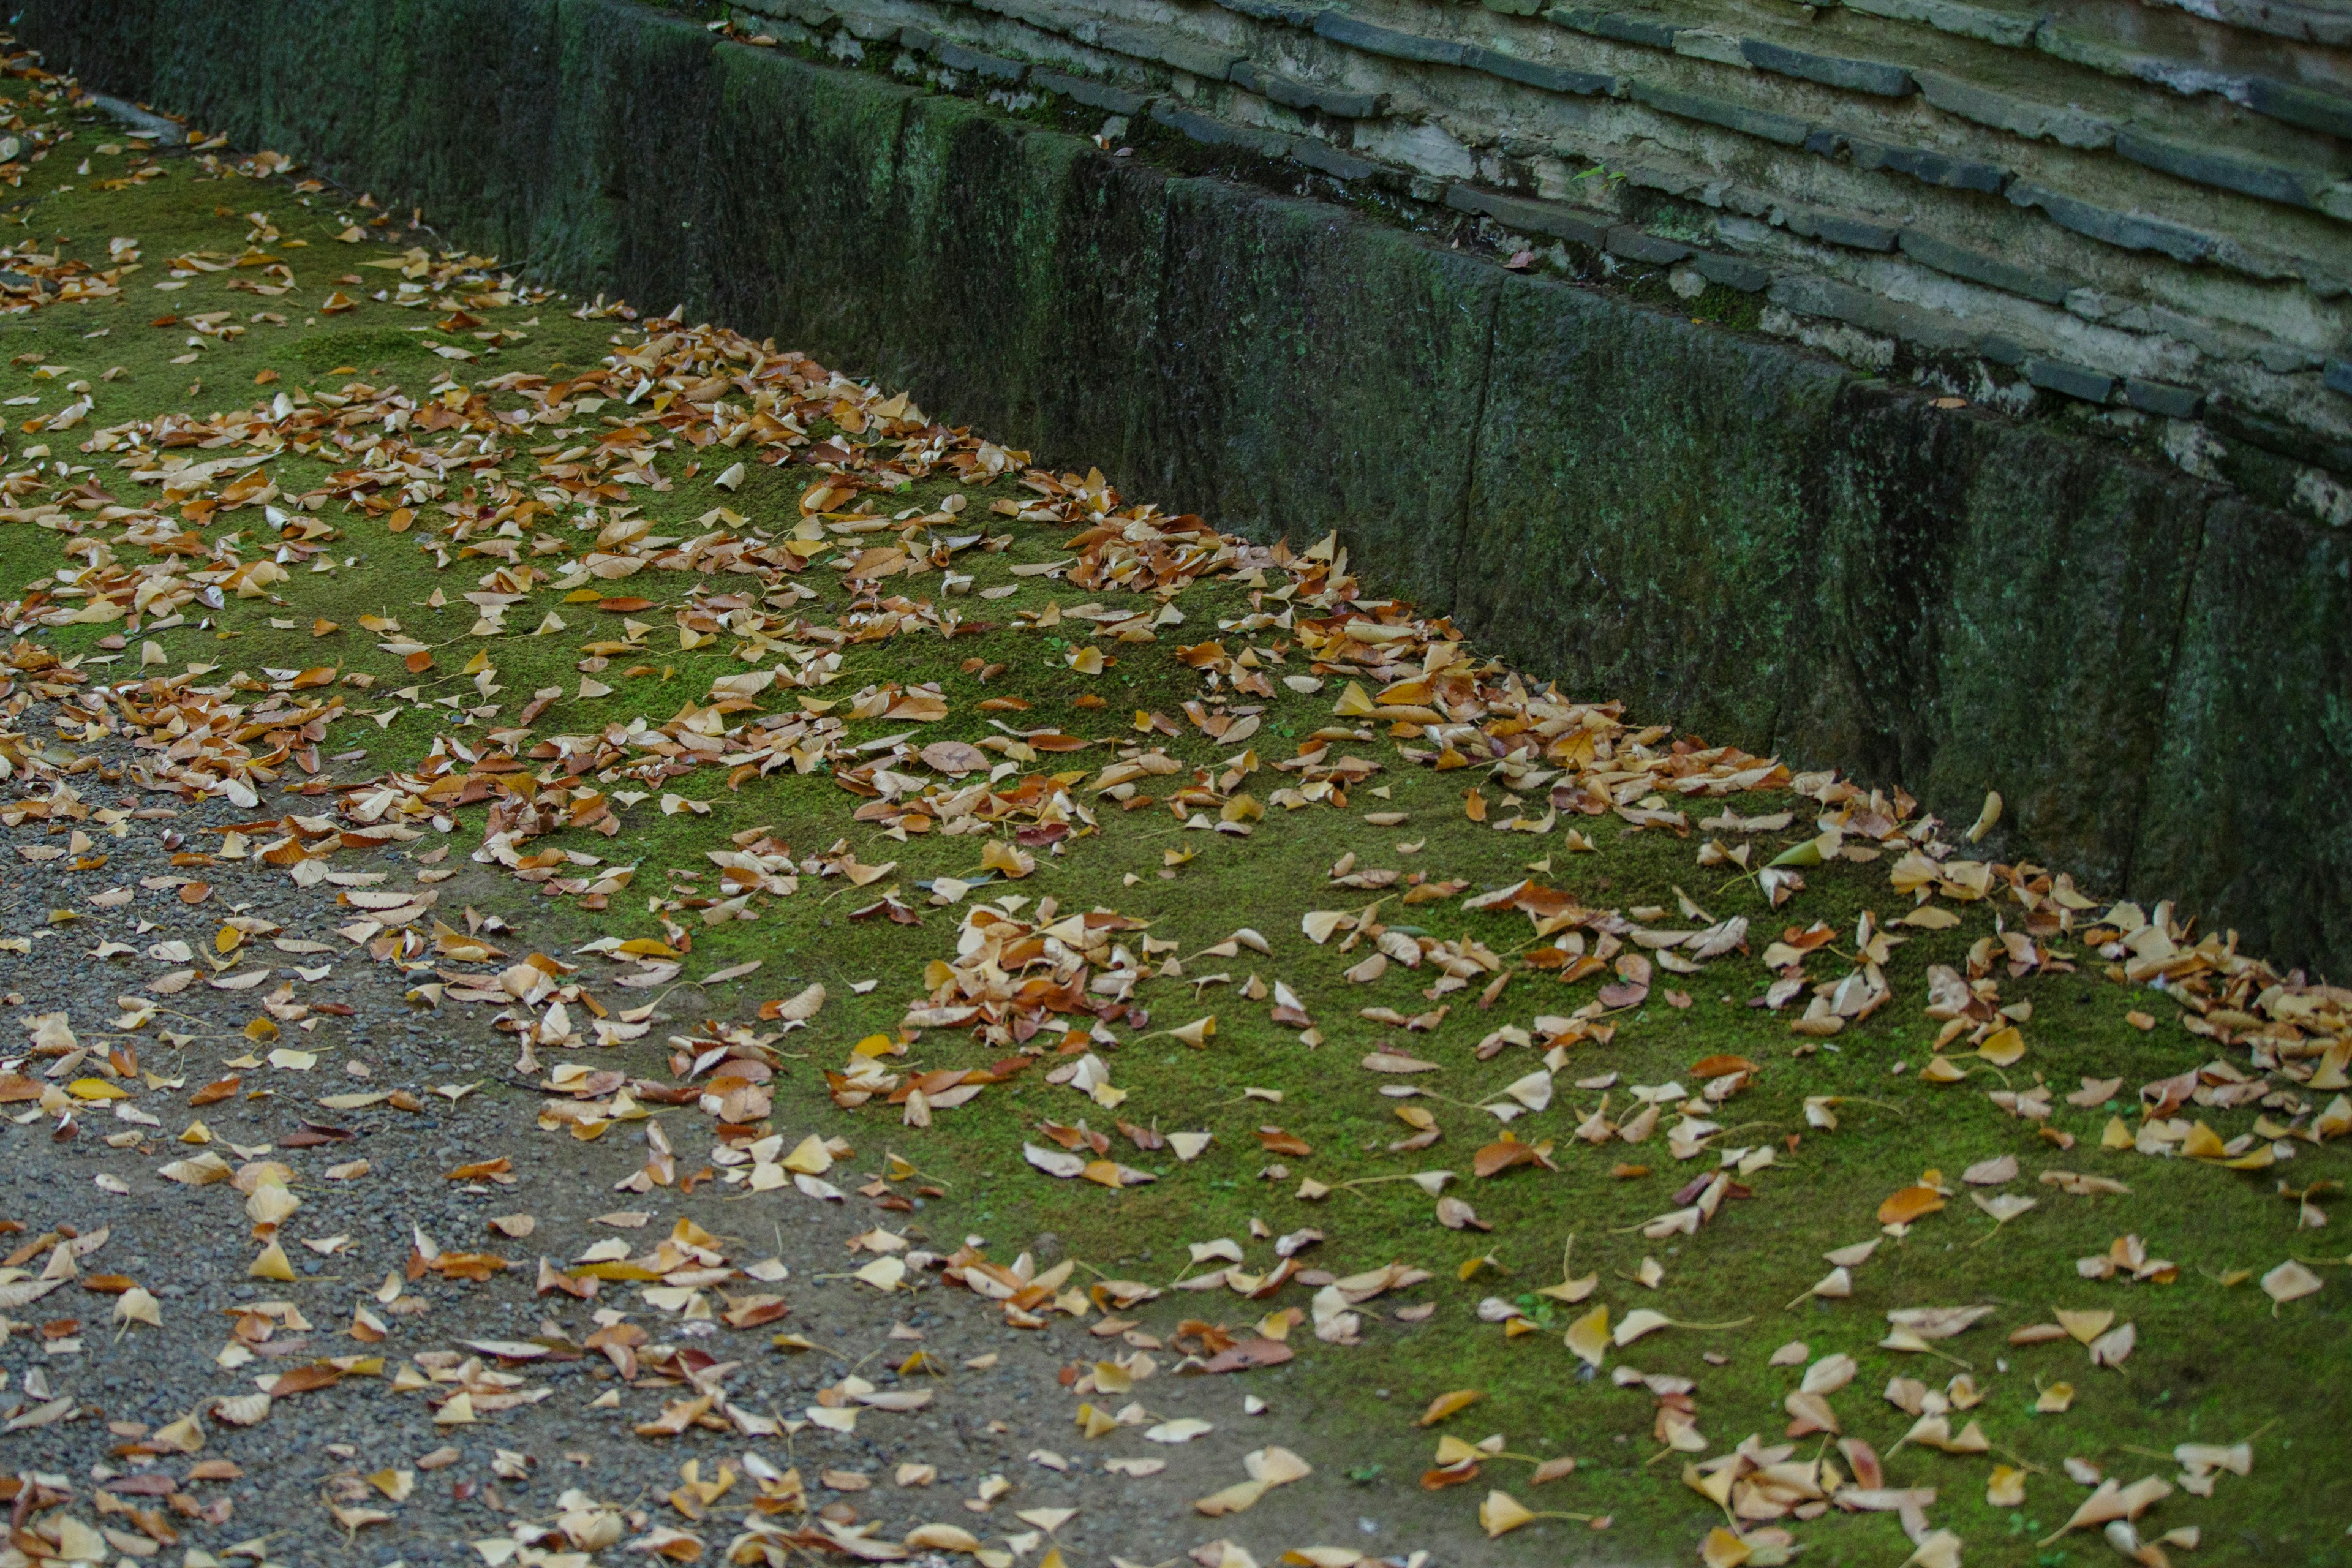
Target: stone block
(987, 67)
(1637, 521)
(2208, 167)
(1214, 132)
(2245, 819)
(2127, 231)
(1619, 27)
(1324, 158)
(1786, 128)
(2067, 125)
(1808, 295)
(1535, 73)
(1635, 246)
(1731, 271)
(1210, 62)
(2011, 29)
(1992, 606)
(1878, 77)
(1106, 96)
(1342, 28)
(1979, 267)
(816, 152)
(1280, 11)
(1527, 217)
(2313, 108)
(2071, 380)
(1312, 370)
(1836, 228)
(1292, 93)
(2161, 398)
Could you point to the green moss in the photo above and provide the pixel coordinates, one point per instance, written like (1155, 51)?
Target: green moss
(2213, 1365)
(322, 352)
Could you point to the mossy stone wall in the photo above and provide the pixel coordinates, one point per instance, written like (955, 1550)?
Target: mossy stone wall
(1729, 535)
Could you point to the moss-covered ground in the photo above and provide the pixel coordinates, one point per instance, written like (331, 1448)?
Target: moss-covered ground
(2215, 1361)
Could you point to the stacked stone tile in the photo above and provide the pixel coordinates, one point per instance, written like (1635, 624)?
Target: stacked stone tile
(2143, 207)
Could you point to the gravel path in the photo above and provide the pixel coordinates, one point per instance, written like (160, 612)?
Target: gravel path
(143, 1416)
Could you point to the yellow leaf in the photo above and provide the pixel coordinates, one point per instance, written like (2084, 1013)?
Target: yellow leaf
(810, 1157)
(1502, 1513)
(271, 1264)
(2084, 1326)
(942, 1537)
(1588, 1336)
(1231, 1499)
(1721, 1548)
(1446, 1404)
(2003, 1046)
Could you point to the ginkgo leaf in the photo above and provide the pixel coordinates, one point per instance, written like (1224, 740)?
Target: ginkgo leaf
(1234, 1498)
(2086, 1325)
(1909, 1205)
(1588, 1336)
(1446, 1404)
(2291, 1281)
(1638, 1322)
(1183, 1429)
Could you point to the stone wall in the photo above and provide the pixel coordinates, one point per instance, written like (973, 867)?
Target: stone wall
(2142, 208)
(1730, 532)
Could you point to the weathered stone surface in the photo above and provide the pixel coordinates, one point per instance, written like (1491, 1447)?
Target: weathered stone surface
(2271, 182)
(1727, 532)
(830, 158)
(1637, 519)
(1620, 27)
(1527, 217)
(1633, 243)
(1315, 371)
(1838, 229)
(1829, 70)
(2298, 105)
(1993, 24)
(1102, 95)
(2064, 124)
(1992, 271)
(1731, 271)
(1991, 608)
(1342, 28)
(1292, 93)
(2129, 231)
(2245, 817)
(2161, 398)
(1785, 128)
(2073, 379)
(1535, 73)
(989, 67)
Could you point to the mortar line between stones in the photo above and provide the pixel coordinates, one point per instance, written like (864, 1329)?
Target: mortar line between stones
(2172, 680)
(1473, 447)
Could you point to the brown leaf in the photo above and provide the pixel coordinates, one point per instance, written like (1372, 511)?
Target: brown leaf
(1498, 1157)
(304, 1380)
(1278, 1141)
